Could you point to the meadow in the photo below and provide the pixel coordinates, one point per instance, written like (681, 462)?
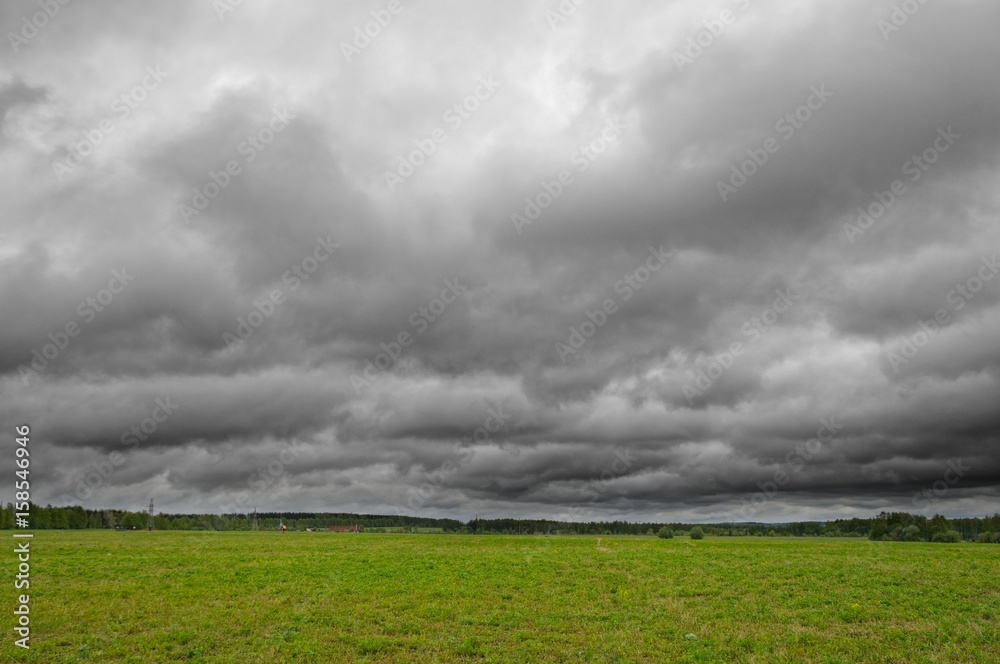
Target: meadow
(241, 597)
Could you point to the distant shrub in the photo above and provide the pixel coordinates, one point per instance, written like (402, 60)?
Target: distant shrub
(771, 533)
(910, 533)
(665, 533)
(988, 538)
(947, 536)
(697, 533)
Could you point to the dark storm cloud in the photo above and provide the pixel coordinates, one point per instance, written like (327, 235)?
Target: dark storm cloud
(334, 338)
(16, 93)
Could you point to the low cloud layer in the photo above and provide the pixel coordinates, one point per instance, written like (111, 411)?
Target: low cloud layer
(734, 261)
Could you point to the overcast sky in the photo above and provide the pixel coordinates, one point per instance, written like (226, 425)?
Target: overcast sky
(518, 259)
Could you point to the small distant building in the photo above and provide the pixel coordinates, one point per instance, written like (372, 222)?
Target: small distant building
(345, 529)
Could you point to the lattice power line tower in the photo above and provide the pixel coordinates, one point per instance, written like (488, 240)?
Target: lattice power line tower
(255, 518)
(149, 519)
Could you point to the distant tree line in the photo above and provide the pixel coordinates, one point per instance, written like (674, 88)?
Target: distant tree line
(885, 526)
(76, 517)
(888, 526)
(903, 527)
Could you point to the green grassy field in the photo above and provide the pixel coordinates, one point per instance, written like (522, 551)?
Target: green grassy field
(100, 596)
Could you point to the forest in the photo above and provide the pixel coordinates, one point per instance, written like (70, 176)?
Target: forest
(893, 526)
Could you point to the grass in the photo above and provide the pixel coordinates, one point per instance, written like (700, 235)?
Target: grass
(101, 596)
